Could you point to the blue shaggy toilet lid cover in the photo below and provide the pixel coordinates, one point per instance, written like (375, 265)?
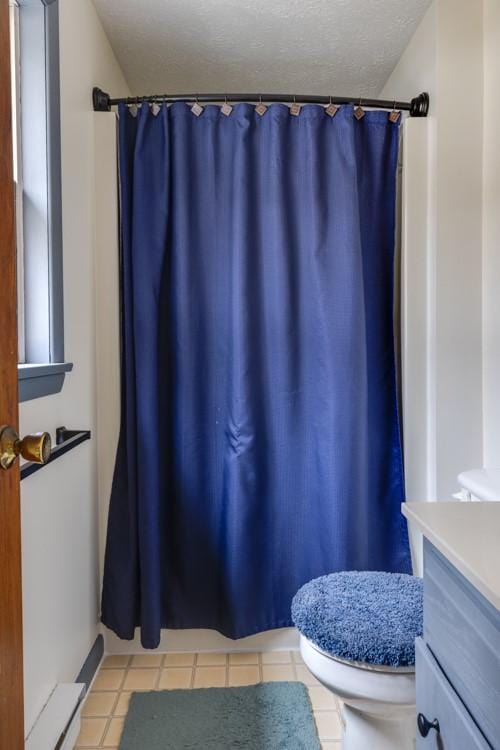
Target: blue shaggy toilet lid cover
(368, 617)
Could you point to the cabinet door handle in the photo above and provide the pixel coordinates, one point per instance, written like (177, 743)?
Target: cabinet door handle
(425, 726)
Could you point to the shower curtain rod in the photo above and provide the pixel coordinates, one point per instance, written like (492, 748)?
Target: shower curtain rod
(417, 107)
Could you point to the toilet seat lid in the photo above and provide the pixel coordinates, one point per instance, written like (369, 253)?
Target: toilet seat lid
(371, 618)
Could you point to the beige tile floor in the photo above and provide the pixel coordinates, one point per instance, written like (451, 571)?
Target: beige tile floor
(106, 705)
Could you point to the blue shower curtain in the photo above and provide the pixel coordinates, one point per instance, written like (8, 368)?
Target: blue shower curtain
(259, 443)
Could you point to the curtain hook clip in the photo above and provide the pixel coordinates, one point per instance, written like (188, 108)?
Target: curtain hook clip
(196, 109)
(261, 108)
(359, 112)
(133, 108)
(295, 108)
(226, 108)
(331, 109)
(394, 115)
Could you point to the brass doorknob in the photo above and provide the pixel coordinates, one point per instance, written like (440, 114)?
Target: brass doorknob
(35, 447)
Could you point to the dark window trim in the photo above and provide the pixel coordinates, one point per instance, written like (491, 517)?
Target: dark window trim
(43, 251)
(36, 381)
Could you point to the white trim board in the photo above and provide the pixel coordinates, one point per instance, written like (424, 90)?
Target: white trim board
(283, 639)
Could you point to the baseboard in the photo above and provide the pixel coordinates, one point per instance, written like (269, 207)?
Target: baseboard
(283, 639)
(92, 662)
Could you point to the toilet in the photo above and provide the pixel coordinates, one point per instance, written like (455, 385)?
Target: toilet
(357, 633)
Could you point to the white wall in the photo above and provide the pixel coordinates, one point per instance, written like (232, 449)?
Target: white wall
(416, 72)
(107, 311)
(491, 234)
(59, 504)
(445, 58)
(415, 334)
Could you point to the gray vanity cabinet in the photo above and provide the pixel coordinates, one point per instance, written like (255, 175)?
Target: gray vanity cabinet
(457, 662)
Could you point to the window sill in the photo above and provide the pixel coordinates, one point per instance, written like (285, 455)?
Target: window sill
(36, 381)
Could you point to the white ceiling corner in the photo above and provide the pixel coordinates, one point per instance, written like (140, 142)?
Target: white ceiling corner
(341, 47)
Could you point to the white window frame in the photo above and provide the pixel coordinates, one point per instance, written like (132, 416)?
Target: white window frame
(42, 365)
(18, 177)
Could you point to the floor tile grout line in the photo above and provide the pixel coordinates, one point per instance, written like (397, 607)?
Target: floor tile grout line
(108, 724)
(193, 672)
(112, 716)
(157, 681)
(118, 693)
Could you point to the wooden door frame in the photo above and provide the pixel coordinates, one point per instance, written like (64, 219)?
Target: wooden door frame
(11, 627)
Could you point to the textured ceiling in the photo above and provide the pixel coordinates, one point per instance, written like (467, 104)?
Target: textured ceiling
(278, 46)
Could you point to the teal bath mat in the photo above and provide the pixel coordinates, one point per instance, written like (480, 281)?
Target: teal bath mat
(268, 716)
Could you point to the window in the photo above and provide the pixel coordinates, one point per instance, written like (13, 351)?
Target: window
(16, 143)
(37, 172)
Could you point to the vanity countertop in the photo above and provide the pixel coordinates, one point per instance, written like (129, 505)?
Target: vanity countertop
(468, 535)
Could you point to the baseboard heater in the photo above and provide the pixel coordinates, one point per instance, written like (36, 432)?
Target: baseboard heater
(66, 440)
(58, 724)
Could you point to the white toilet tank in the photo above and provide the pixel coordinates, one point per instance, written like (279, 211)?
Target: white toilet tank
(479, 485)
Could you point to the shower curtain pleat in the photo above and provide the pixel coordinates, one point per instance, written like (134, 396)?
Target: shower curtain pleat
(259, 443)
